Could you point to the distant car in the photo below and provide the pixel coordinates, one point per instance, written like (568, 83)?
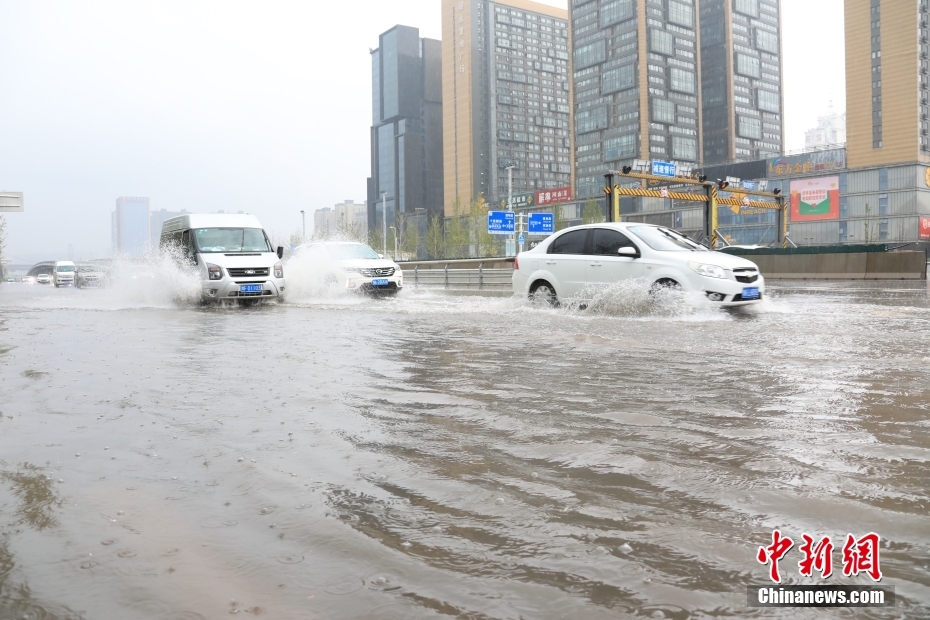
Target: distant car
(44, 278)
(29, 280)
(573, 263)
(11, 279)
(352, 266)
(89, 276)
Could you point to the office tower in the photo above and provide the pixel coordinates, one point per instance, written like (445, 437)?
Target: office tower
(636, 85)
(741, 80)
(347, 219)
(887, 87)
(506, 96)
(406, 132)
(130, 227)
(830, 131)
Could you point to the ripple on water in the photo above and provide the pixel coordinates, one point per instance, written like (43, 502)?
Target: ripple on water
(344, 584)
(290, 559)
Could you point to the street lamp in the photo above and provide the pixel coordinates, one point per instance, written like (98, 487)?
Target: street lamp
(395, 243)
(383, 223)
(303, 220)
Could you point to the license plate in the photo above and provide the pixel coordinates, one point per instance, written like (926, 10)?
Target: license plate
(380, 282)
(751, 293)
(250, 288)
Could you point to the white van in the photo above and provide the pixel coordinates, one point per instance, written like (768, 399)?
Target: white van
(231, 253)
(63, 273)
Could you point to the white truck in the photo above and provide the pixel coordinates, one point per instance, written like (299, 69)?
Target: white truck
(230, 252)
(63, 273)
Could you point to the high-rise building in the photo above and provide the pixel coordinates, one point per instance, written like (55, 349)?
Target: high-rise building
(830, 131)
(506, 97)
(347, 219)
(887, 82)
(636, 85)
(741, 80)
(406, 132)
(130, 226)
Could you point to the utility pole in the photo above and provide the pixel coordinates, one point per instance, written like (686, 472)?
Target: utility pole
(303, 219)
(510, 198)
(609, 190)
(384, 223)
(395, 243)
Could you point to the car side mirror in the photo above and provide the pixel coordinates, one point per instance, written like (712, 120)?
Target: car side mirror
(628, 251)
(380, 255)
(280, 251)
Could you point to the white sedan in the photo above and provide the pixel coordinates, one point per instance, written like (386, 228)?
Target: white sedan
(351, 266)
(573, 262)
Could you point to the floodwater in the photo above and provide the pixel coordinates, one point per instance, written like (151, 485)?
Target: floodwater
(447, 456)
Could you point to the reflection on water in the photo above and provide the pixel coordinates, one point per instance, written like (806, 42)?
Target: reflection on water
(436, 456)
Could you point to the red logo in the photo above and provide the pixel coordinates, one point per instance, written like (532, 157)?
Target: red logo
(925, 228)
(773, 553)
(553, 196)
(859, 555)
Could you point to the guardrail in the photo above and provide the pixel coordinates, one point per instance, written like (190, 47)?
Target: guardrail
(493, 279)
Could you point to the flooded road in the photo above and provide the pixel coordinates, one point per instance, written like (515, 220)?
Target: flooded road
(455, 456)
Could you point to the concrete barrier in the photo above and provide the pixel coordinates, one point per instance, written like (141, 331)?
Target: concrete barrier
(843, 266)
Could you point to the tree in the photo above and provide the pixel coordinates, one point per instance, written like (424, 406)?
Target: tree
(593, 213)
(558, 216)
(435, 241)
(484, 241)
(456, 233)
(410, 239)
(868, 226)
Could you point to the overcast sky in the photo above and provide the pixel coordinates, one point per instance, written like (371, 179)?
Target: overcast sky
(260, 106)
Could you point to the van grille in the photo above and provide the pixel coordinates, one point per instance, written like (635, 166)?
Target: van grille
(377, 272)
(247, 272)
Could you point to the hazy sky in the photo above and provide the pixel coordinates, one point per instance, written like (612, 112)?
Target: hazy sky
(260, 106)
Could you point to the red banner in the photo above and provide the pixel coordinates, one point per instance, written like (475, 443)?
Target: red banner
(553, 196)
(924, 228)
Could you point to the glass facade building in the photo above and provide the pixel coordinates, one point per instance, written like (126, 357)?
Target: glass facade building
(507, 99)
(130, 224)
(406, 132)
(636, 78)
(741, 80)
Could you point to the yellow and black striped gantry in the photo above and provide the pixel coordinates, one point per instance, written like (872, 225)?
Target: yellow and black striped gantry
(708, 195)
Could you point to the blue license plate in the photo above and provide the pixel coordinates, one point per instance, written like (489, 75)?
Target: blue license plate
(250, 288)
(380, 282)
(751, 293)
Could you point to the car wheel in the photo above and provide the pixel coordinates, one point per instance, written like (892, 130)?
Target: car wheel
(544, 293)
(666, 284)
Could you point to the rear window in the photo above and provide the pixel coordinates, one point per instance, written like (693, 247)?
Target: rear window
(569, 243)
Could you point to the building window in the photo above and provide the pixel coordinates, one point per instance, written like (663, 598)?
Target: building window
(684, 148)
(747, 7)
(747, 65)
(682, 80)
(882, 230)
(883, 178)
(680, 14)
(767, 41)
(616, 11)
(661, 41)
(590, 54)
(768, 101)
(619, 148)
(749, 127)
(591, 119)
(883, 204)
(663, 111)
(618, 79)
(844, 206)
(844, 180)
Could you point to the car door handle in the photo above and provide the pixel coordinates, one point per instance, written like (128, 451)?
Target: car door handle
(551, 262)
(595, 264)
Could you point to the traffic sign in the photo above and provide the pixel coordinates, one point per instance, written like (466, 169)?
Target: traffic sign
(521, 239)
(501, 222)
(11, 201)
(519, 201)
(663, 168)
(541, 223)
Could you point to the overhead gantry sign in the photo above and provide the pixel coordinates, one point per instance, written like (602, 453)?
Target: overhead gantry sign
(708, 195)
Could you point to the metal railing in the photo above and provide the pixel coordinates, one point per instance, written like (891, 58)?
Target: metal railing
(480, 278)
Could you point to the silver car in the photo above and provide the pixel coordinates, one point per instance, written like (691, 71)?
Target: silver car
(89, 276)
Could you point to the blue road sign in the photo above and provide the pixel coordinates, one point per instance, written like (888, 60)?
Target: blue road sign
(521, 239)
(663, 168)
(750, 185)
(501, 222)
(541, 223)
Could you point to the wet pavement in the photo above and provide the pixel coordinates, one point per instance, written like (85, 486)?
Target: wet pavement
(455, 456)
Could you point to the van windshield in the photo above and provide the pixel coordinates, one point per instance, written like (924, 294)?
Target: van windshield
(665, 239)
(231, 240)
(65, 268)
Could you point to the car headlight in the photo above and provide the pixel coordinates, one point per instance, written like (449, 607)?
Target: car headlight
(711, 271)
(351, 269)
(216, 273)
(278, 270)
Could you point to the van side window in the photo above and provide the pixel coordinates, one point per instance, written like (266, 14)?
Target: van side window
(570, 243)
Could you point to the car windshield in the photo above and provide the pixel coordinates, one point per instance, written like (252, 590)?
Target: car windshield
(665, 239)
(87, 269)
(65, 268)
(231, 240)
(351, 251)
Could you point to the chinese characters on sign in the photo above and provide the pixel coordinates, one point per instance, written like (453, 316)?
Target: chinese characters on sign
(859, 556)
(541, 223)
(663, 168)
(553, 196)
(501, 222)
(519, 201)
(815, 199)
(820, 161)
